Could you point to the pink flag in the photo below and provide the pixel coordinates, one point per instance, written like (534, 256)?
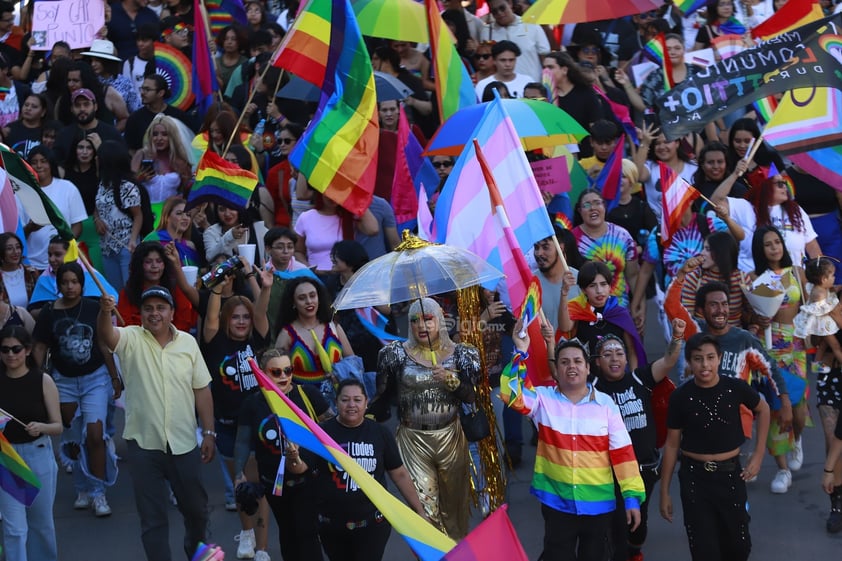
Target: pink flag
(494, 538)
(404, 199)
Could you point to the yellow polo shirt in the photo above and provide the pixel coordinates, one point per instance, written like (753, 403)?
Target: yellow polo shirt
(160, 404)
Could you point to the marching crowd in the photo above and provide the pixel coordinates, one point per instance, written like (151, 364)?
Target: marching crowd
(139, 331)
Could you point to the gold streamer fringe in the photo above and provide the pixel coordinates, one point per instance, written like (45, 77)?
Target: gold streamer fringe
(469, 307)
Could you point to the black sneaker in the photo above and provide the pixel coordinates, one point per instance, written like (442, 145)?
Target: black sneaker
(834, 522)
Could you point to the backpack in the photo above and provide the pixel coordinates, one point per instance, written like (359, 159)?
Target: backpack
(147, 226)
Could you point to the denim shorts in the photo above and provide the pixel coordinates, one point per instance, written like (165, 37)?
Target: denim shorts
(90, 392)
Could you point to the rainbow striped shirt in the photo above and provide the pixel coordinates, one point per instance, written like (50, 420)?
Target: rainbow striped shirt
(581, 446)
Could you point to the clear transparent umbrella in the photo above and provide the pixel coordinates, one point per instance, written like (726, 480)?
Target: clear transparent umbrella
(414, 270)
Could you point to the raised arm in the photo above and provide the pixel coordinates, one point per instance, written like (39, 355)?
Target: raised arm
(106, 332)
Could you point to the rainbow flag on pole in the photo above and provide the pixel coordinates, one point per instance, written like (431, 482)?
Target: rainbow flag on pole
(454, 89)
(15, 476)
(204, 68)
(426, 542)
(221, 181)
(689, 6)
(656, 49)
(609, 179)
(338, 151)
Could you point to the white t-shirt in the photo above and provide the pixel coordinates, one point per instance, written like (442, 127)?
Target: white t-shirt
(69, 203)
(532, 41)
(743, 214)
(515, 86)
(795, 240)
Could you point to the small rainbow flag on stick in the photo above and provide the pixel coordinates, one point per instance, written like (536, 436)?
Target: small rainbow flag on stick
(656, 49)
(428, 543)
(221, 181)
(532, 303)
(206, 552)
(15, 476)
(689, 6)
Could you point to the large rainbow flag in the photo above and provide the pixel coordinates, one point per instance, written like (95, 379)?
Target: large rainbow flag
(454, 89)
(338, 151)
(426, 542)
(221, 181)
(15, 476)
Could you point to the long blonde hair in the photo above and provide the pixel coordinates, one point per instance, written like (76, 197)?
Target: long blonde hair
(178, 150)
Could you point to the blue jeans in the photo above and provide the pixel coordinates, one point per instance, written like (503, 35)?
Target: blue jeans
(29, 534)
(117, 268)
(91, 394)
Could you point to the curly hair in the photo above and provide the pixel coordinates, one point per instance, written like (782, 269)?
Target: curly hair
(135, 285)
(288, 313)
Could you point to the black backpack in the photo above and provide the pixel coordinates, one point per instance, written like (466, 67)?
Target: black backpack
(148, 224)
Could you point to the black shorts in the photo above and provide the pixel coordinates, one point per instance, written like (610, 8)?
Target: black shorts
(829, 389)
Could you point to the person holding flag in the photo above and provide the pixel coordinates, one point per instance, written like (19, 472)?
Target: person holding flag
(29, 405)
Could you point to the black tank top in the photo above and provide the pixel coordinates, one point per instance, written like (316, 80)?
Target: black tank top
(24, 398)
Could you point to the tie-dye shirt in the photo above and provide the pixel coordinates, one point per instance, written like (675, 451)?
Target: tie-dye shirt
(614, 248)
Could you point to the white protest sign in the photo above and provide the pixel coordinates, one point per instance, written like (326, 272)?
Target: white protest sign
(73, 21)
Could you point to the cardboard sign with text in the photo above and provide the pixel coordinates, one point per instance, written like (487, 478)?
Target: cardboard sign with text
(73, 21)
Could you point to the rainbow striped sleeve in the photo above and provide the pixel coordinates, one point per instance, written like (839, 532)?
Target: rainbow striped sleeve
(623, 460)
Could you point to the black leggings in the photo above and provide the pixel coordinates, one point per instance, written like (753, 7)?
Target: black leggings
(295, 513)
(359, 544)
(621, 537)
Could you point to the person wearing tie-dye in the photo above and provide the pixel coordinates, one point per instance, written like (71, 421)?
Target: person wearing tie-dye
(583, 447)
(313, 342)
(603, 241)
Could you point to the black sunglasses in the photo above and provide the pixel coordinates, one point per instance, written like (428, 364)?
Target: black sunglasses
(442, 164)
(287, 370)
(483, 56)
(11, 350)
(286, 140)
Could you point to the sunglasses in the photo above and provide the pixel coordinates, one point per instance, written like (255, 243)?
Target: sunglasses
(483, 56)
(286, 140)
(278, 372)
(439, 165)
(11, 350)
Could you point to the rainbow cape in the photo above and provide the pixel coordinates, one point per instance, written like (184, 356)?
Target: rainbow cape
(581, 310)
(454, 89)
(221, 181)
(15, 476)
(426, 542)
(338, 151)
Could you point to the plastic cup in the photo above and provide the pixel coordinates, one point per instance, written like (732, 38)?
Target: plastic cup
(247, 250)
(191, 273)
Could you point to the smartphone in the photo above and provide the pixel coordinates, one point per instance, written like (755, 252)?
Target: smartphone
(147, 166)
(650, 119)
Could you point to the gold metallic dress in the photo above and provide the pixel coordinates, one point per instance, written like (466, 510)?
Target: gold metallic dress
(430, 438)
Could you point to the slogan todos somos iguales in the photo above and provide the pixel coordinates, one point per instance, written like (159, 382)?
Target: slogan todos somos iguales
(73, 21)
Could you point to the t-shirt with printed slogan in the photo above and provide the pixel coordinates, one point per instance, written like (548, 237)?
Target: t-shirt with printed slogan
(266, 435)
(633, 395)
(231, 377)
(372, 446)
(70, 334)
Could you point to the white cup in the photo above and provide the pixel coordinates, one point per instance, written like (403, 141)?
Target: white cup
(247, 250)
(191, 273)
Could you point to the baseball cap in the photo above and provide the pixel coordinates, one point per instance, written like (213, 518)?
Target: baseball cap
(157, 292)
(84, 92)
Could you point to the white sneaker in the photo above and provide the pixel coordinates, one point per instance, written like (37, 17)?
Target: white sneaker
(795, 457)
(100, 506)
(245, 549)
(83, 501)
(261, 556)
(781, 482)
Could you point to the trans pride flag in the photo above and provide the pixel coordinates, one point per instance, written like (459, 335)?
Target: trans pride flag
(426, 541)
(338, 151)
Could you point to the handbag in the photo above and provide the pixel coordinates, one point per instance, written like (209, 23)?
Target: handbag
(474, 422)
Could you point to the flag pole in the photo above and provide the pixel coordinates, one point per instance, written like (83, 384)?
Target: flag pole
(248, 102)
(12, 417)
(90, 269)
(755, 145)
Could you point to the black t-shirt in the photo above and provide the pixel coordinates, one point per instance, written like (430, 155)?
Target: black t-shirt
(70, 333)
(591, 332)
(373, 447)
(231, 376)
(636, 217)
(813, 195)
(266, 438)
(67, 135)
(633, 395)
(22, 139)
(709, 418)
(24, 398)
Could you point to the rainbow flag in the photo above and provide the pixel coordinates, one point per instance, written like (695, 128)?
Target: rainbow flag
(15, 476)
(678, 195)
(765, 108)
(609, 179)
(223, 13)
(428, 543)
(454, 89)
(221, 181)
(689, 6)
(656, 49)
(338, 151)
(204, 68)
(207, 552)
(532, 304)
(494, 538)
(732, 26)
(562, 221)
(793, 14)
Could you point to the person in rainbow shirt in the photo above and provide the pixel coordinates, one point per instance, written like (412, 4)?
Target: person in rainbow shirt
(583, 445)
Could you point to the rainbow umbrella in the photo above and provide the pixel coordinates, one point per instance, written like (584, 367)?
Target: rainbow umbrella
(401, 20)
(552, 12)
(538, 124)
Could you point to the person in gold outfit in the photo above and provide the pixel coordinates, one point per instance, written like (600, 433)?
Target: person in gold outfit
(432, 377)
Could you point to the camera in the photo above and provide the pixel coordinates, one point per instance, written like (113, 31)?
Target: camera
(220, 271)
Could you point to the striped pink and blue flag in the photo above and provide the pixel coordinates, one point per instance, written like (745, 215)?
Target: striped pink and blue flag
(427, 542)
(375, 323)
(609, 179)
(204, 69)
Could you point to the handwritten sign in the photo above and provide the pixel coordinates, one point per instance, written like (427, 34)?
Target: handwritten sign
(552, 175)
(73, 21)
